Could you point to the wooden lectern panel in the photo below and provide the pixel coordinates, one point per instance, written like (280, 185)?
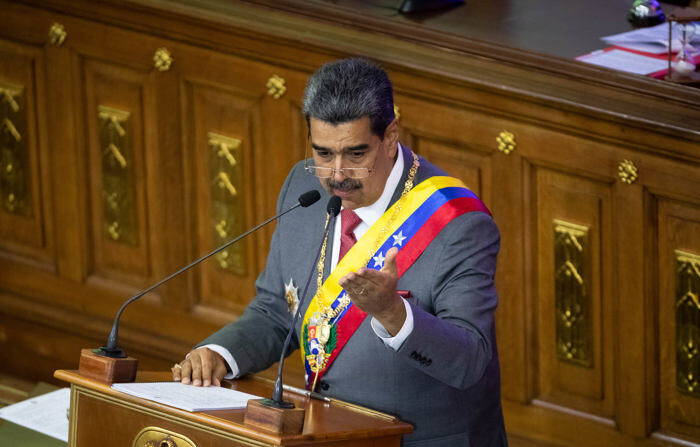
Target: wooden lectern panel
(102, 416)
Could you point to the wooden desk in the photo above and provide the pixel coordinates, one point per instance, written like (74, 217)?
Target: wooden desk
(102, 416)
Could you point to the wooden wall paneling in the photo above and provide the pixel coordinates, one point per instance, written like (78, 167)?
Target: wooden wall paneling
(257, 105)
(32, 350)
(116, 188)
(633, 315)
(672, 189)
(225, 205)
(222, 100)
(514, 332)
(116, 68)
(166, 192)
(679, 316)
(474, 169)
(25, 214)
(66, 161)
(545, 427)
(285, 138)
(35, 341)
(66, 95)
(574, 236)
(569, 179)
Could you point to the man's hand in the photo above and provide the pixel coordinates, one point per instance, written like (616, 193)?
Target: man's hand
(374, 291)
(202, 367)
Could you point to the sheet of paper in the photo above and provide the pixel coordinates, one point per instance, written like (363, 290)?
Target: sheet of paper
(653, 35)
(47, 414)
(652, 48)
(625, 61)
(187, 397)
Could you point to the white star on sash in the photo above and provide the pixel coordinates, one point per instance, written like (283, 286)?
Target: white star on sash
(379, 260)
(398, 238)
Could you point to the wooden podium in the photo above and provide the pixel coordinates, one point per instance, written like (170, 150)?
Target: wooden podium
(102, 416)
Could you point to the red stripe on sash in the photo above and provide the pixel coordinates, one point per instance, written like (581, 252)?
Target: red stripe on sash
(433, 226)
(410, 252)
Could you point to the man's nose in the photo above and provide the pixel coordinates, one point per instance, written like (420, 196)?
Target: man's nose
(338, 173)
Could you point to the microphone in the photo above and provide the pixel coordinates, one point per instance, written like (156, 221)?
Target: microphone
(333, 209)
(112, 350)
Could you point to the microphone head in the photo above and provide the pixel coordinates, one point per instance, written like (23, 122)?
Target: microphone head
(309, 198)
(333, 207)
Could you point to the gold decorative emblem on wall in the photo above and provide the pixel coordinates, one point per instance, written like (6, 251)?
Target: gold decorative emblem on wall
(162, 59)
(276, 86)
(506, 142)
(226, 204)
(57, 34)
(628, 172)
(572, 296)
(688, 323)
(14, 155)
(119, 211)
(160, 437)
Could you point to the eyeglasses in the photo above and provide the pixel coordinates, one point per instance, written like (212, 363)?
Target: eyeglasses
(326, 172)
(322, 172)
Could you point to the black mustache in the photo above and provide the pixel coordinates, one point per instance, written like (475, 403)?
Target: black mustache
(347, 184)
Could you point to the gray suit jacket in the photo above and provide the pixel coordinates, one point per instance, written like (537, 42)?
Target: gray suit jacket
(444, 379)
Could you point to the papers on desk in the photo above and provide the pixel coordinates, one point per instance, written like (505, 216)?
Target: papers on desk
(651, 40)
(642, 51)
(625, 61)
(187, 397)
(47, 414)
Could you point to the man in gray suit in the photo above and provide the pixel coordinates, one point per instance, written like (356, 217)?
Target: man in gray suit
(423, 344)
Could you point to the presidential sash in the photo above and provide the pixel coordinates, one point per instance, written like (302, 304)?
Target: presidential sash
(410, 225)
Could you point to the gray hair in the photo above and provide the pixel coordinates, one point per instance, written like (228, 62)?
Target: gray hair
(347, 90)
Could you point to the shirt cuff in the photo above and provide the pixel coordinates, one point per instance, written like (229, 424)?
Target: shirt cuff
(396, 341)
(228, 358)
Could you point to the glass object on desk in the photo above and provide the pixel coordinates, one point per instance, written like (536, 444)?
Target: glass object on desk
(683, 25)
(645, 13)
(683, 64)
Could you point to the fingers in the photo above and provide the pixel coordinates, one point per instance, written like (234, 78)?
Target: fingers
(219, 371)
(390, 262)
(209, 365)
(177, 372)
(202, 367)
(196, 363)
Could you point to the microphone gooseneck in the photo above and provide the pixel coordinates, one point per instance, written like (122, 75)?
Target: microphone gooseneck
(333, 209)
(112, 349)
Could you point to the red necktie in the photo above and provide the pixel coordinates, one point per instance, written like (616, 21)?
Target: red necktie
(348, 222)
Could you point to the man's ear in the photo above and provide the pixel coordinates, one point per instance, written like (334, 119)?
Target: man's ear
(391, 136)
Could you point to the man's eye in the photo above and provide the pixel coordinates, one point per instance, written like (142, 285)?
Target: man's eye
(323, 154)
(357, 154)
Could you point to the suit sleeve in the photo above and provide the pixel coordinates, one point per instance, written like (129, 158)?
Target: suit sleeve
(453, 332)
(255, 340)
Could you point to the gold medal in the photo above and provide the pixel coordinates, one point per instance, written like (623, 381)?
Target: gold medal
(292, 296)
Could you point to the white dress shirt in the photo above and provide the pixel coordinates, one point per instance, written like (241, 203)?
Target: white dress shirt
(369, 215)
